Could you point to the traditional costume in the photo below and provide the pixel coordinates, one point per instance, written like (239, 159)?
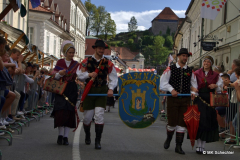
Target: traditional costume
(208, 125)
(180, 80)
(96, 105)
(64, 108)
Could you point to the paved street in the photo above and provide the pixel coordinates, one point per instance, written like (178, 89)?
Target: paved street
(38, 142)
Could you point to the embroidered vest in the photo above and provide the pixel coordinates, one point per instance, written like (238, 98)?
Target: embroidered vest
(180, 79)
(101, 79)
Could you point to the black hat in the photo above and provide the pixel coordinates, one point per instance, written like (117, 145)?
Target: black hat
(184, 51)
(100, 43)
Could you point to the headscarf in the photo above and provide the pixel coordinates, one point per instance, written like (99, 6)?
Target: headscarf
(210, 58)
(66, 45)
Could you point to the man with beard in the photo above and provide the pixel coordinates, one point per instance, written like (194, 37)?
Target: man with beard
(96, 105)
(177, 79)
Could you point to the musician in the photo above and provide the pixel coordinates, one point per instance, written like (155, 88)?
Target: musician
(177, 79)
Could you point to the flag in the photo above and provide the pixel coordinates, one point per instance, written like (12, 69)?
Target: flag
(35, 3)
(210, 8)
(170, 59)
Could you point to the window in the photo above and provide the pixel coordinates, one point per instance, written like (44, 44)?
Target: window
(133, 66)
(54, 47)
(59, 21)
(65, 26)
(31, 35)
(47, 44)
(141, 66)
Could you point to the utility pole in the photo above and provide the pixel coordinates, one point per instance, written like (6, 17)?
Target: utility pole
(202, 31)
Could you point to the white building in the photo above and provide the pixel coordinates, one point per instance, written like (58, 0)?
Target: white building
(226, 26)
(75, 14)
(47, 28)
(14, 19)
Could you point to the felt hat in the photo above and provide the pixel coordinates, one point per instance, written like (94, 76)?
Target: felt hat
(184, 51)
(100, 43)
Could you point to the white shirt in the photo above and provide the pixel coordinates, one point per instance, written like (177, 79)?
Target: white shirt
(57, 75)
(113, 79)
(15, 62)
(164, 81)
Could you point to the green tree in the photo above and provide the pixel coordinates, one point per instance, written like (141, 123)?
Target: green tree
(169, 42)
(99, 16)
(132, 25)
(109, 26)
(168, 32)
(130, 42)
(156, 54)
(90, 8)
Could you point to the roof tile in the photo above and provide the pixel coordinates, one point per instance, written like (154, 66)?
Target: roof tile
(167, 14)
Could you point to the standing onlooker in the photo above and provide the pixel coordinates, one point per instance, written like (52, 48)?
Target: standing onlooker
(232, 109)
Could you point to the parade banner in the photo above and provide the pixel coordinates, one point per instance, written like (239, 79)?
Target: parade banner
(139, 100)
(211, 8)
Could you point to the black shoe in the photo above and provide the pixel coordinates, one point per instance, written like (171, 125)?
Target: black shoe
(97, 144)
(168, 140)
(87, 134)
(199, 152)
(60, 139)
(179, 141)
(65, 141)
(98, 130)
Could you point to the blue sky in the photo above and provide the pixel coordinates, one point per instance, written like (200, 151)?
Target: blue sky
(144, 10)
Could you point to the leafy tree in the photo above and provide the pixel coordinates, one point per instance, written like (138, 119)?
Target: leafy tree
(169, 42)
(99, 16)
(109, 26)
(132, 25)
(156, 54)
(168, 32)
(90, 8)
(147, 40)
(130, 42)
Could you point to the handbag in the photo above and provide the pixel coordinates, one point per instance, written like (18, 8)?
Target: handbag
(55, 86)
(218, 99)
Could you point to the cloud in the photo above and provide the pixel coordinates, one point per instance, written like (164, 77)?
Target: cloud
(144, 18)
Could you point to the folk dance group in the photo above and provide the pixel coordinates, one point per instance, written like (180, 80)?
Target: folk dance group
(178, 78)
(64, 105)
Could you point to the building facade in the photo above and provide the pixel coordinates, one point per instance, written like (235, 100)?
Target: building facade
(75, 13)
(225, 30)
(166, 19)
(47, 28)
(14, 19)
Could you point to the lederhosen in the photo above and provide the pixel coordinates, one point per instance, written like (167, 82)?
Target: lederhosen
(99, 86)
(180, 80)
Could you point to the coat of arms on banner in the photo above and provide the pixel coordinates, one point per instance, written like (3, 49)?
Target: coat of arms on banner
(139, 100)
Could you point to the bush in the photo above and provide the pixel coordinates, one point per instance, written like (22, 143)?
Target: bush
(130, 41)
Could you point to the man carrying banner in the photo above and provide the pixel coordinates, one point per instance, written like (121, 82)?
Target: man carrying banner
(177, 79)
(96, 105)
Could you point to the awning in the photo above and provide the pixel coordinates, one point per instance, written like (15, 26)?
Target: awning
(16, 36)
(39, 57)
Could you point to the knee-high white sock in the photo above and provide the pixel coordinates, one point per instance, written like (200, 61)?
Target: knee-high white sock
(199, 144)
(203, 144)
(60, 131)
(66, 131)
